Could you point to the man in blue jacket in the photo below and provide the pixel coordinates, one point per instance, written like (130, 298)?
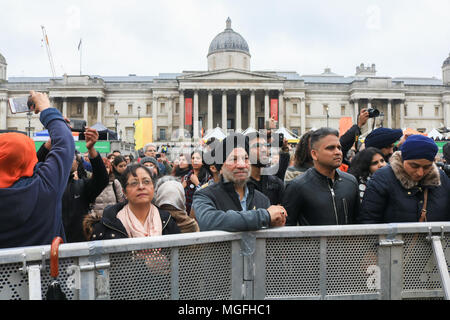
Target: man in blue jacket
(30, 199)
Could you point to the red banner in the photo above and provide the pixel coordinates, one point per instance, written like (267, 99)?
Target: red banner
(274, 109)
(188, 111)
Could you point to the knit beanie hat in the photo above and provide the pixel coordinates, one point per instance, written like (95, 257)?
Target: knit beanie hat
(382, 137)
(17, 158)
(150, 159)
(418, 146)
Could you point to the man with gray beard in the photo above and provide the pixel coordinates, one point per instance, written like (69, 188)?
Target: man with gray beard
(232, 204)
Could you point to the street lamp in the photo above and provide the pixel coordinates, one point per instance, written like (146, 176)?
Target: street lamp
(139, 112)
(381, 119)
(116, 117)
(328, 116)
(29, 115)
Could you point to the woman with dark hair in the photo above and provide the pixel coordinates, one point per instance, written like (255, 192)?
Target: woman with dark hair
(181, 167)
(119, 165)
(195, 178)
(302, 158)
(364, 165)
(136, 217)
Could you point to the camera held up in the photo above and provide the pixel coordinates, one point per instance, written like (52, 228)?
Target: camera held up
(373, 113)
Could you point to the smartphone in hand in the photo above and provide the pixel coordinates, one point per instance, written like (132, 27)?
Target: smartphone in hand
(20, 105)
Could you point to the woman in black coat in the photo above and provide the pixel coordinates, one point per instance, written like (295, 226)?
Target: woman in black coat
(136, 217)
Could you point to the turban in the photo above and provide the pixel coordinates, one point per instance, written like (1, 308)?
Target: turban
(223, 150)
(17, 158)
(382, 137)
(418, 146)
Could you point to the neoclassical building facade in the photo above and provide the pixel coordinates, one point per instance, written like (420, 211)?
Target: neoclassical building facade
(232, 96)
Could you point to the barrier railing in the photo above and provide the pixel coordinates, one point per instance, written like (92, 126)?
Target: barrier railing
(385, 261)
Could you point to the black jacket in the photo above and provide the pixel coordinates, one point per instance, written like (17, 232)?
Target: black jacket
(110, 227)
(314, 199)
(271, 186)
(348, 139)
(217, 207)
(79, 195)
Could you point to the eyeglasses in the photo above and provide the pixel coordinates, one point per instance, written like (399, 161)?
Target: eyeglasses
(136, 183)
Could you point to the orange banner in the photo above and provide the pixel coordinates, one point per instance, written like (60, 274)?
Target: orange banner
(274, 109)
(345, 123)
(188, 112)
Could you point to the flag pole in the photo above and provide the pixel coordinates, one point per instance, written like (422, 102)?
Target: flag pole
(80, 49)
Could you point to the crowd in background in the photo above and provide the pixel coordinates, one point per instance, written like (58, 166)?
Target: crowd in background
(240, 183)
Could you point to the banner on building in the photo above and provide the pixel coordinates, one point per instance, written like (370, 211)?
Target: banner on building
(274, 109)
(143, 133)
(188, 112)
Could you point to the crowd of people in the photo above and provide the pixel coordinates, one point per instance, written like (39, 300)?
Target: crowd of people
(242, 183)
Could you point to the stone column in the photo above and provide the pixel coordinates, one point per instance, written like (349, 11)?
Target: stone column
(402, 115)
(169, 118)
(154, 118)
(195, 120)
(99, 110)
(355, 111)
(371, 120)
(302, 116)
(210, 110)
(181, 115)
(280, 109)
(252, 109)
(238, 111)
(446, 113)
(85, 111)
(389, 114)
(64, 110)
(4, 114)
(224, 111)
(266, 106)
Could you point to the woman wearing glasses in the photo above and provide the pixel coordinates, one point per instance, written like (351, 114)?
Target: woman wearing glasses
(136, 217)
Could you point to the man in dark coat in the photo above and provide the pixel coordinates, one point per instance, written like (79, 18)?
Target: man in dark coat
(323, 195)
(232, 204)
(30, 203)
(396, 192)
(270, 185)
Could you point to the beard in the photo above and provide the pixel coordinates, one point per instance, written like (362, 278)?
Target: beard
(229, 175)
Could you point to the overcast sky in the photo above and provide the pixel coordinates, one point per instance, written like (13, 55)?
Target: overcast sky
(403, 38)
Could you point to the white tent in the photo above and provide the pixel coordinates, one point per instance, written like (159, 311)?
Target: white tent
(249, 130)
(216, 133)
(435, 134)
(290, 136)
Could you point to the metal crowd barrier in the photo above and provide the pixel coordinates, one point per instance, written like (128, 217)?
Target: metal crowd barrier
(385, 261)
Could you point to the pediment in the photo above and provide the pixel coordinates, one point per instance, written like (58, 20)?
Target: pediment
(232, 74)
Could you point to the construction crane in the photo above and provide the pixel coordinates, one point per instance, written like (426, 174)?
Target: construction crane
(49, 52)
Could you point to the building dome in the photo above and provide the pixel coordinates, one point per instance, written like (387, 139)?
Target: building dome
(446, 61)
(228, 40)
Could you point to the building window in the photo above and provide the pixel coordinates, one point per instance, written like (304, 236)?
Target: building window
(308, 109)
(162, 134)
(79, 109)
(111, 108)
(230, 61)
(436, 111)
(177, 107)
(163, 108)
(405, 110)
(294, 108)
(420, 111)
(245, 63)
(130, 109)
(343, 110)
(148, 109)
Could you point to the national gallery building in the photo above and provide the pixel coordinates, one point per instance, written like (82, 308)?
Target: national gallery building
(230, 95)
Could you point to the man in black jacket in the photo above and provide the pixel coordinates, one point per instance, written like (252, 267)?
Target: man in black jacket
(322, 195)
(80, 193)
(270, 185)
